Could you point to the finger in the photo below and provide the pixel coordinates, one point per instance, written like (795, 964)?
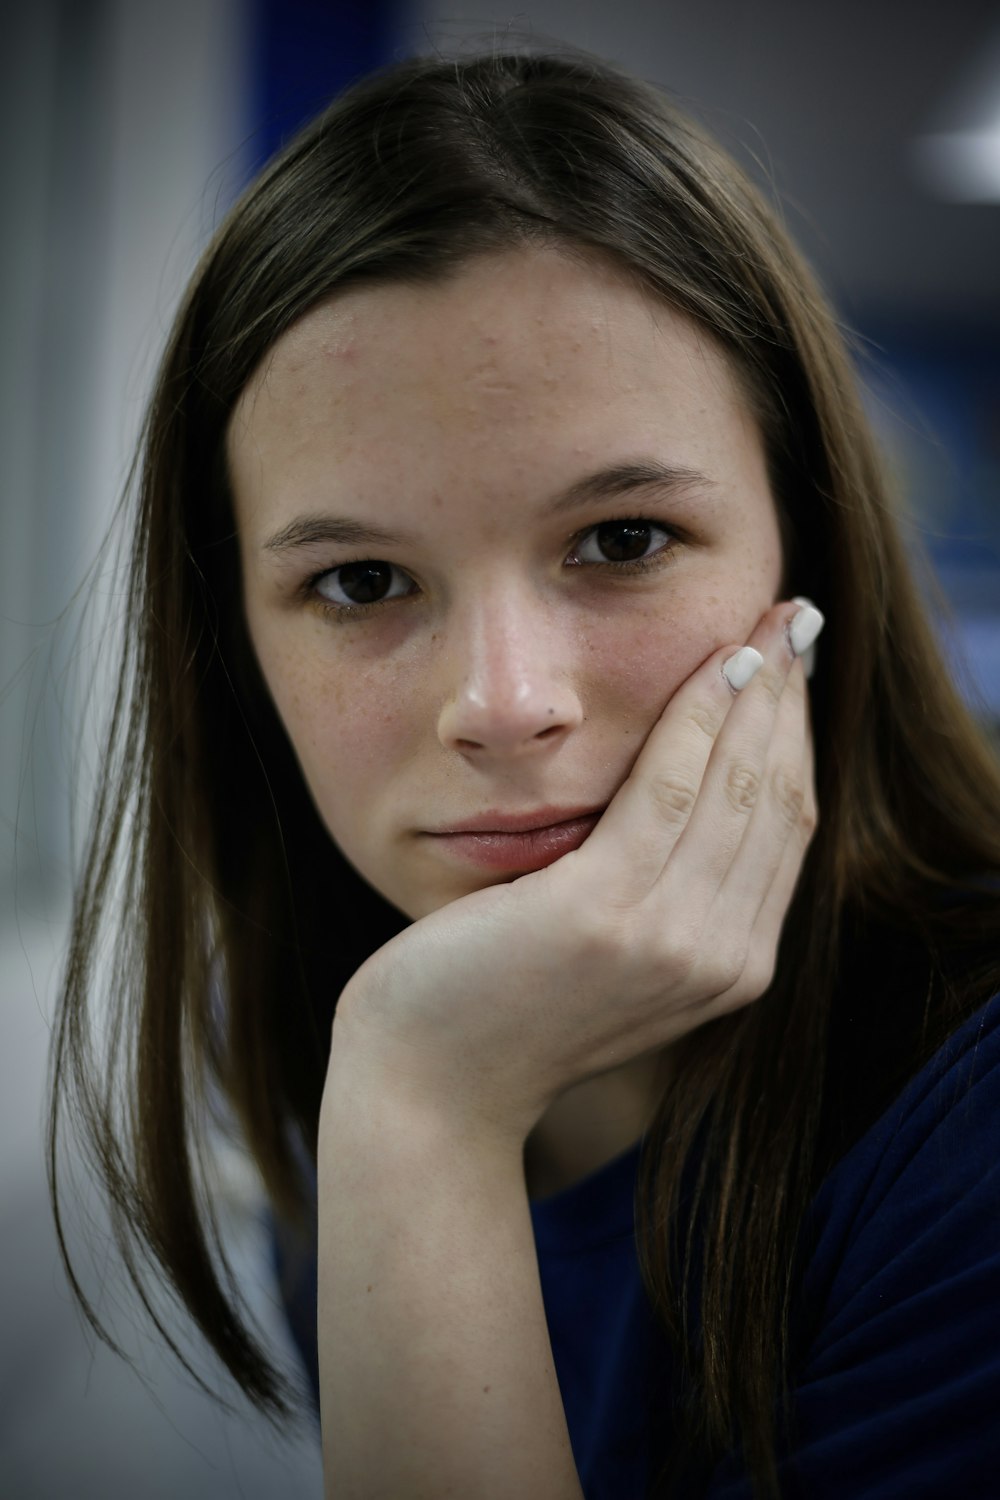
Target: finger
(642, 823)
(742, 765)
(781, 808)
(743, 886)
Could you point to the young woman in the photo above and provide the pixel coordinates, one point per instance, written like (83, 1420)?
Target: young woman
(638, 1059)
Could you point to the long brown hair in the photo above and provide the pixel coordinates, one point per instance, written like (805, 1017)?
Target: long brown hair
(230, 962)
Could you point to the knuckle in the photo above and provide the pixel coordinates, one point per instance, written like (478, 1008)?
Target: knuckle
(672, 797)
(611, 936)
(758, 974)
(682, 956)
(789, 795)
(676, 946)
(724, 968)
(742, 786)
(704, 718)
(773, 683)
(604, 934)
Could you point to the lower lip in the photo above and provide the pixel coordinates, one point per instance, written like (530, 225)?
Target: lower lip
(531, 850)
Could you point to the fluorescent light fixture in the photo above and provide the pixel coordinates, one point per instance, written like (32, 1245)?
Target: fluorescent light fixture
(962, 166)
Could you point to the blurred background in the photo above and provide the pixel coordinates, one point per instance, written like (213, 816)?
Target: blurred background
(128, 126)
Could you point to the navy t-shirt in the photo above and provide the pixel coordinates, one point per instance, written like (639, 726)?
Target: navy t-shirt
(897, 1386)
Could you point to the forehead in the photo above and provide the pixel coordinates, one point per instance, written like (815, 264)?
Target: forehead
(523, 359)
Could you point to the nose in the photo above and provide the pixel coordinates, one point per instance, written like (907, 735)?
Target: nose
(510, 688)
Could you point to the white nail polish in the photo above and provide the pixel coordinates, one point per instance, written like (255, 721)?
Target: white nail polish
(804, 628)
(740, 667)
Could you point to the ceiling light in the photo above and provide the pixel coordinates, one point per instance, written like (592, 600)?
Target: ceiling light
(961, 165)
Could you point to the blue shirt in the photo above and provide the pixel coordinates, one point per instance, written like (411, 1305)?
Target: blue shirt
(897, 1391)
(897, 1386)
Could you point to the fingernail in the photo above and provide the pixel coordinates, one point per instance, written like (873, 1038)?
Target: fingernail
(740, 667)
(809, 654)
(804, 627)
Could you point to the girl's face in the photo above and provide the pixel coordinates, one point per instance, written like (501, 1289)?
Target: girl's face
(487, 528)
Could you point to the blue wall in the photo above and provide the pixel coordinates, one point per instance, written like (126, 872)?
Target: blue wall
(937, 408)
(306, 51)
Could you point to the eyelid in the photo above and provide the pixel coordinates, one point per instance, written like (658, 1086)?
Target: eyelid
(346, 612)
(312, 584)
(669, 532)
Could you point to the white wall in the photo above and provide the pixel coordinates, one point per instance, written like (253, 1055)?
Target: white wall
(121, 125)
(121, 134)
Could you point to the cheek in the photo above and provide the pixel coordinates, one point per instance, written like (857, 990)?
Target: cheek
(346, 734)
(640, 661)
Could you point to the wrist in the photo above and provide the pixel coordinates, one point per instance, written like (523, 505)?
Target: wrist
(383, 1088)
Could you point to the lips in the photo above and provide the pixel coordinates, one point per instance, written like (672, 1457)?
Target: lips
(499, 822)
(517, 843)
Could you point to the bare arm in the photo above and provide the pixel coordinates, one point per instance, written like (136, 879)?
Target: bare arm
(436, 1371)
(452, 1040)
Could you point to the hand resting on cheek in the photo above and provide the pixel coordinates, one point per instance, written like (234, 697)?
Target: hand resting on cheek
(668, 915)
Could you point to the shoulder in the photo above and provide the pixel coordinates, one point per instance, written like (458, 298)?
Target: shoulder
(898, 1340)
(938, 1136)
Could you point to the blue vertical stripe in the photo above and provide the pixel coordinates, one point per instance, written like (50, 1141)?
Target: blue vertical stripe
(303, 52)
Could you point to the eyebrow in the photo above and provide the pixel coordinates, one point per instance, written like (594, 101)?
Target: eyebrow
(604, 484)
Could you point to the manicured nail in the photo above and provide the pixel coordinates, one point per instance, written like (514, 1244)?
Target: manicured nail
(809, 654)
(740, 667)
(804, 628)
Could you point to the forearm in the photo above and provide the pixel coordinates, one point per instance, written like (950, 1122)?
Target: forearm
(436, 1371)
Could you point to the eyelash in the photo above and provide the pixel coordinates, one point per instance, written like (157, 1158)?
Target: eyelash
(347, 612)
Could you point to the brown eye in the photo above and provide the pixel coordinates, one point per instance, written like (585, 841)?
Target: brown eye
(359, 583)
(632, 540)
(623, 541)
